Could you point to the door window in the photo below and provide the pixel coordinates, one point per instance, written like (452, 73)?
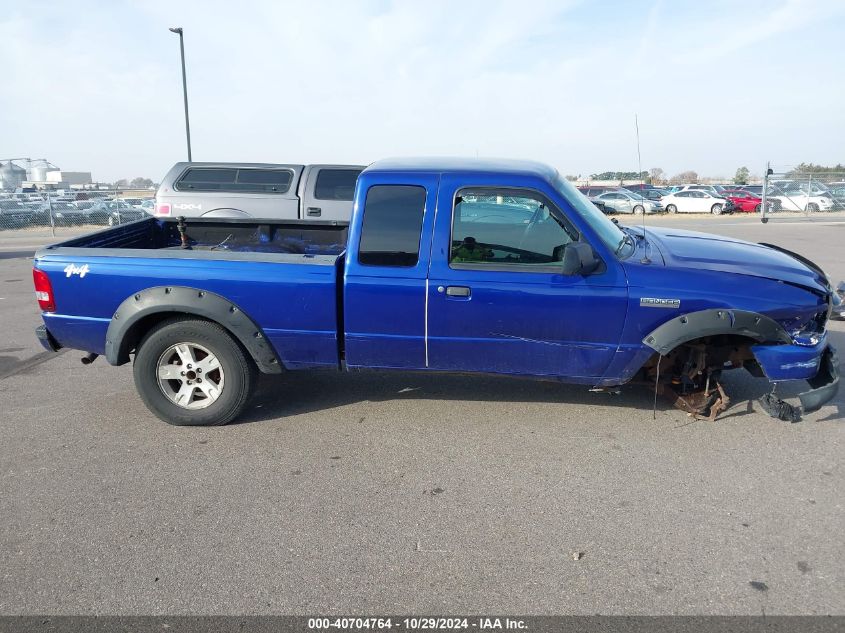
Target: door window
(506, 228)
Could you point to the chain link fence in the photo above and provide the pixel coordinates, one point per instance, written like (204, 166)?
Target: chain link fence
(799, 191)
(55, 213)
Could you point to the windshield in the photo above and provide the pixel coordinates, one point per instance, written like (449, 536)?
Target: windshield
(610, 234)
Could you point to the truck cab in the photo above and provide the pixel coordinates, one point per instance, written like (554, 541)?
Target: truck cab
(450, 268)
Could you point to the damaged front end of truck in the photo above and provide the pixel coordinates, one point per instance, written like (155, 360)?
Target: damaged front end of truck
(693, 350)
(741, 305)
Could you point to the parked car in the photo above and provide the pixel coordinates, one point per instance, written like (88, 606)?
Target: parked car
(92, 212)
(837, 190)
(626, 202)
(122, 214)
(647, 191)
(149, 205)
(639, 187)
(69, 213)
(417, 282)
(258, 190)
(800, 200)
(64, 213)
(601, 206)
(696, 201)
(711, 189)
(13, 214)
(596, 190)
(748, 202)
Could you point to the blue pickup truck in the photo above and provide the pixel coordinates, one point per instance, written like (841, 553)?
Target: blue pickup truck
(447, 265)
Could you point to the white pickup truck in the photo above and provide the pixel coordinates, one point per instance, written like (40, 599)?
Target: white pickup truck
(258, 190)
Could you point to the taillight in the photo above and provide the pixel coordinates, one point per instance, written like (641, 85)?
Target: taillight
(162, 208)
(43, 290)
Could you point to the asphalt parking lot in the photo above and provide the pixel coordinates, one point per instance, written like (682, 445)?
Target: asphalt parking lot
(381, 493)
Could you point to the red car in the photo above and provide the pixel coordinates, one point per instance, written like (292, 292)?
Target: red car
(744, 200)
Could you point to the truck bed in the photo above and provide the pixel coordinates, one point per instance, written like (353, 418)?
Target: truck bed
(282, 275)
(219, 236)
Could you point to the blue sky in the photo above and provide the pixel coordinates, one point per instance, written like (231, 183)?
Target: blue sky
(97, 85)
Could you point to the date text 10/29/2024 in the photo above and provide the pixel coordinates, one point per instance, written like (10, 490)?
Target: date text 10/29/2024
(416, 624)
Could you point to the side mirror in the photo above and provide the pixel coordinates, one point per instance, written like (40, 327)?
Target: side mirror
(579, 259)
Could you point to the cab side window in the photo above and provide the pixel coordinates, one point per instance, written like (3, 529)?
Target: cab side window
(335, 184)
(507, 227)
(390, 233)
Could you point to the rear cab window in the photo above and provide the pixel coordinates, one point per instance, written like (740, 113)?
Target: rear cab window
(392, 226)
(240, 180)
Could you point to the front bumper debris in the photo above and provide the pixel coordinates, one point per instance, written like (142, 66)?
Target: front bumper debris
(825, 385)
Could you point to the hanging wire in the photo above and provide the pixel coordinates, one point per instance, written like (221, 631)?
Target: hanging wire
(656, 383)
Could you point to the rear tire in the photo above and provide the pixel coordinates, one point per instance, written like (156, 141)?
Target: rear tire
(169, 361)
(716, 209)
(758, 208)
(671, 208)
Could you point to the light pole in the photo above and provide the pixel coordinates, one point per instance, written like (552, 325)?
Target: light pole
(178, 30)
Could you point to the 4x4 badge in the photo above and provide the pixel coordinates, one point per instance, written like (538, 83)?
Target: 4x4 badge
(73, 269)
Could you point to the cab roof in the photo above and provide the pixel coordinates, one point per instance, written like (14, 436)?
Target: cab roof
(464, 165)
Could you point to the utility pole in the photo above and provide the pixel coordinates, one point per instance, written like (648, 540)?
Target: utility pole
(178, 31)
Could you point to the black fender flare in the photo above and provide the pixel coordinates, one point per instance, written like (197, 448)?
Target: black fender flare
(712, 322)
(121, 338)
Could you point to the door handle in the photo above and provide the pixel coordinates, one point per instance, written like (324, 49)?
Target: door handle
(457, 291)
(313, 212)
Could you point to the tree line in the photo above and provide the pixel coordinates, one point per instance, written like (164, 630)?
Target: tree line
(135, 183)
(656, 175)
